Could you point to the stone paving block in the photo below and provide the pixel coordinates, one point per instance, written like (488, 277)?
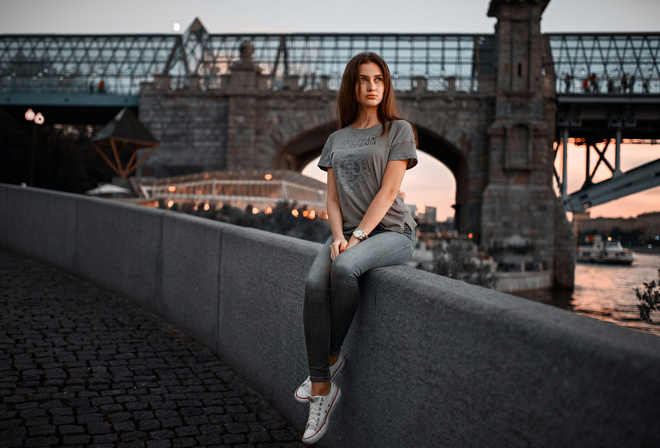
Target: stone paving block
(159, 444)
(71, 429)
(41, 442)
(82, 439)
(123, 426)
(230, 439)
(86, 419)
(184, 442)
(185, 431)
(106, 438)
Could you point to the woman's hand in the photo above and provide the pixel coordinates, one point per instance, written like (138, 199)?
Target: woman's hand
(337, 247)
(352, 242)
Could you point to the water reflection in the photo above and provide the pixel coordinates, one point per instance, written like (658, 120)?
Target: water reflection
(606, 293)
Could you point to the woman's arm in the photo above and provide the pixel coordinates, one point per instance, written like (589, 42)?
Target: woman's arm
(335, 217)
(383, 200)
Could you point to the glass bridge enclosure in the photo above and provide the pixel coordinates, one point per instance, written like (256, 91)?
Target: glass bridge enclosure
(118, 64)
(77, 63)
(613, 64)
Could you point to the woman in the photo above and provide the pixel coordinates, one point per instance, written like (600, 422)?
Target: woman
(371, 227)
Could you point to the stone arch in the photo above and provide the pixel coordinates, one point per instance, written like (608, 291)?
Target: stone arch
(443, 137)
(298, 151)
(453, 158)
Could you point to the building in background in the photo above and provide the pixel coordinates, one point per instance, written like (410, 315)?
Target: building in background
(646, 225)
(261, 190)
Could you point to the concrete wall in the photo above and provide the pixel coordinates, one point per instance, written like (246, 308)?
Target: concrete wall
(431, 361)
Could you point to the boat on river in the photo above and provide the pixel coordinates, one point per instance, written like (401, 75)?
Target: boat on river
(595, 250)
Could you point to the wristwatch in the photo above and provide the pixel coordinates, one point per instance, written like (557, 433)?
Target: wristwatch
(360, 235)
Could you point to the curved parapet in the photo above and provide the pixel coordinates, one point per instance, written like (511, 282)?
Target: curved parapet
(431, 361)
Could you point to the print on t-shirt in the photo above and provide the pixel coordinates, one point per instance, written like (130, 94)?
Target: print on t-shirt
(350, 171)
(357, 143)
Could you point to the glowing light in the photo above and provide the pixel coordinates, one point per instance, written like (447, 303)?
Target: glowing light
(176, 26)
(170, 204)
(29, 115)
(312, 214)
(207, 206)
(305, 213)
(195, 207)
(255, 210)
(609, 238)
(39, 119)
(268, 176)
(269, 211)
(295, 213)
(171, 188)
(470, 235)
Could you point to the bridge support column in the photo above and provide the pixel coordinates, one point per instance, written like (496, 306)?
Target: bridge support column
(617, 159)
(564, 165)
(519, 211)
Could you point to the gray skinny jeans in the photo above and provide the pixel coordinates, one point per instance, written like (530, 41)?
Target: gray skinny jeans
(332, 292)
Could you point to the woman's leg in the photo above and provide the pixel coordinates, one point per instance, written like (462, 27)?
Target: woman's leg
(316, 315)
(382, 249)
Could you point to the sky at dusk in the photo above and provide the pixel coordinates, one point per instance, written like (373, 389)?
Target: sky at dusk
(430, 182)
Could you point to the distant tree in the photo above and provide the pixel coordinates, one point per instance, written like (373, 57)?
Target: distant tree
(280, 219)
(457, 260)
(60, 156)
(649, 298)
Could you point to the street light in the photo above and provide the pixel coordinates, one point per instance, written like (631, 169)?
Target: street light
(37, 119)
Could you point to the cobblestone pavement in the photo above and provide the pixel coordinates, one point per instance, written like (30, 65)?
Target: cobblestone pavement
(80, 366)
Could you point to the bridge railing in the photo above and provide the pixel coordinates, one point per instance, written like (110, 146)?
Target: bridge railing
(612, 64)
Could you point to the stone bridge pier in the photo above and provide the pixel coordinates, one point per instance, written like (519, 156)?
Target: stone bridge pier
(496, 139)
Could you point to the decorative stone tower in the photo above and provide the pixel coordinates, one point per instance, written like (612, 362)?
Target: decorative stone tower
(242, 119)
(518, 219)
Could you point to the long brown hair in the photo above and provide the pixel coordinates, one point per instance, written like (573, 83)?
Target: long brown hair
(347, 102)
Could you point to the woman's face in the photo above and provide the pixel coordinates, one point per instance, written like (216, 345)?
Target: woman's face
(370, 86)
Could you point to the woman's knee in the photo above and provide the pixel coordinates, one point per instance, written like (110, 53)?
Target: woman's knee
(344, 270)
(316, 289)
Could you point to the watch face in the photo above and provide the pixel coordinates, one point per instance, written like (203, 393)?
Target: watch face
(359, 234)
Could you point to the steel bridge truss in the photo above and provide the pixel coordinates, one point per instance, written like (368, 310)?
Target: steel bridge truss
(620, 183)
(78, 63)
(611, 64)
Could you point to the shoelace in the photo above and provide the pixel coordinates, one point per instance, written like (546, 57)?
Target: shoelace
(315, 412)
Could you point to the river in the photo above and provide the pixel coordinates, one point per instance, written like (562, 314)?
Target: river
(606, 292)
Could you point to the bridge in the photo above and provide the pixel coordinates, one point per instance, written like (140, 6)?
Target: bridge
(491, 107)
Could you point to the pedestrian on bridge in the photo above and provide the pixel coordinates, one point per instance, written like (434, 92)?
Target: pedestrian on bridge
(365, 161)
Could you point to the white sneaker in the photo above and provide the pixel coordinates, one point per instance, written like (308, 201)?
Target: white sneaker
(305, 389)
(320, 409)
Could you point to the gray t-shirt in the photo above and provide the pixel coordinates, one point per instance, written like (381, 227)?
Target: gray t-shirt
(358, 158)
